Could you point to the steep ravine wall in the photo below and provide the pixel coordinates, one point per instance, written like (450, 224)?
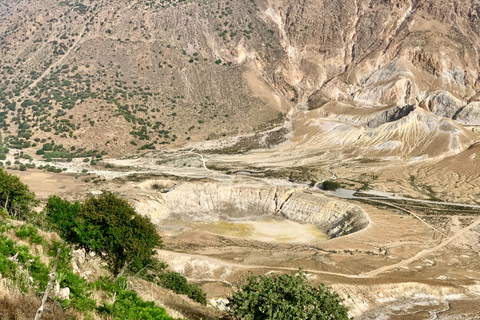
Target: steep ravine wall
(220, 202)
(334, 217)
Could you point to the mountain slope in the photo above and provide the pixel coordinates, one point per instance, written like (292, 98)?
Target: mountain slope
(122, 76)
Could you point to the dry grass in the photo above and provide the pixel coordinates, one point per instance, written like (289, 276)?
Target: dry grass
(176, 305)
(15, 305)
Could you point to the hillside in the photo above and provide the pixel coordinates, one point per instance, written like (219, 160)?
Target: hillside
(118, 76)
(223, 121)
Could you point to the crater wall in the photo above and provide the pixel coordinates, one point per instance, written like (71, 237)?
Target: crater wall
(220, 202)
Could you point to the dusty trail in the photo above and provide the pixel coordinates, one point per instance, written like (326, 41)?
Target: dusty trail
(202, 158)
(242, 266)
(421, 254)
(59, 61)
(411, 213)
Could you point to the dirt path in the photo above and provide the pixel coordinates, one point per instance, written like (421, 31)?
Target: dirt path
(233, 265)
(421, 254)
(46, 72)
(203, 159)
(411, 213)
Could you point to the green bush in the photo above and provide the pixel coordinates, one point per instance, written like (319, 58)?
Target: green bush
(29, 265)
(15, 196)
(62, 214)
(330, 185)
(285, 297)
(128, 306)
(29, 232)
(109, 226)
(80, 291)
(178, 283)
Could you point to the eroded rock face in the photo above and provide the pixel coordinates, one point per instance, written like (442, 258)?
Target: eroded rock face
(61, 293)
(388, 300)
(390, 115)
(469, 115)
(335, 217)
(221, 202)
(387, 63)
(380, 41)
(442, 104)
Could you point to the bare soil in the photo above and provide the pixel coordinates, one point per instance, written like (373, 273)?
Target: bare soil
(402, 257)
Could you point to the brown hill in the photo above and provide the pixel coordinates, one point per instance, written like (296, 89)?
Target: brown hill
(120, 76)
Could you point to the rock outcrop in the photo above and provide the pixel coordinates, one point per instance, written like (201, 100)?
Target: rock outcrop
(469, 115)
(442, 104)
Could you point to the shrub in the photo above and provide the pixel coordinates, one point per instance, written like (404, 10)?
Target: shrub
(285, 297)
(29, 232)
(330, 185)
(15, 196)
(178, 283)
(108, 225)
(129, 306)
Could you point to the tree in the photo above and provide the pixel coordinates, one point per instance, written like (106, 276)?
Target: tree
(63, 214)
(109, 226)
(15, 196)
(330, 185)
(285, 297)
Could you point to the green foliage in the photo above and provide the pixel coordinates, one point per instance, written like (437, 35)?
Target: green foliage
(285, 297)
(80, 291)
(27, 266)
(15, 196)
(178, 283)
(107, 225)
(30, 273)
(29, 232)
(127, 305)
(63, 215)
(330, 185)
